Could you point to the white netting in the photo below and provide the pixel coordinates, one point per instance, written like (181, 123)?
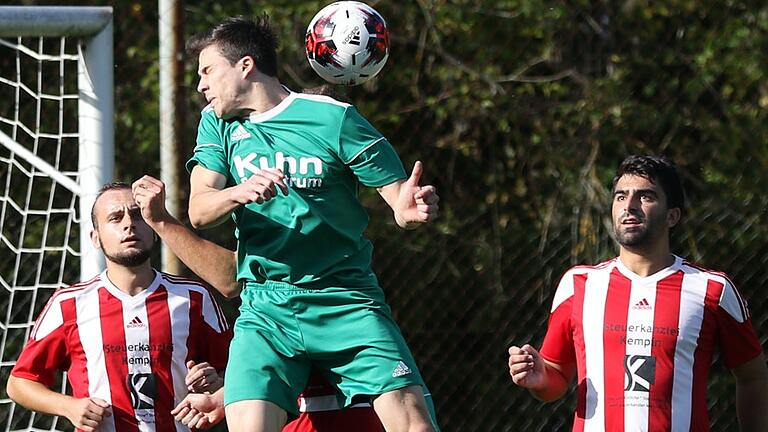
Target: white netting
(39, 220)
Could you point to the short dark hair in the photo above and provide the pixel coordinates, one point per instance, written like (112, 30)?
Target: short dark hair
(106, 188)
(659, 170)
(327, 90)
(238, 37)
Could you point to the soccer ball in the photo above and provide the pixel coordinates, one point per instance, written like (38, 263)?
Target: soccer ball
(347, 43)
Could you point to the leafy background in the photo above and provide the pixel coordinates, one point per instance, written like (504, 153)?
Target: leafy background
(521, 111)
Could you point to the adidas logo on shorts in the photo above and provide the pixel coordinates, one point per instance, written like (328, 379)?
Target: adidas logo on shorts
(400, 370)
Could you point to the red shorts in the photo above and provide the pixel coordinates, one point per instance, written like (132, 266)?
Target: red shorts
(347, 420)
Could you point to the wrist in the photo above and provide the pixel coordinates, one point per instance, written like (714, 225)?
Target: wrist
(66, 408)
(159, 224)
(402, 223)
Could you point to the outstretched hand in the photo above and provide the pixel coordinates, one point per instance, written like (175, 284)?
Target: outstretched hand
(416, 204)
(200, 410)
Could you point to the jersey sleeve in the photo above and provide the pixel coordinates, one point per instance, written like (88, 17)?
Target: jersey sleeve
(367, 153)
(738, 340)
(558, 346)
(46, 350)
(210, 152)
(217, 333)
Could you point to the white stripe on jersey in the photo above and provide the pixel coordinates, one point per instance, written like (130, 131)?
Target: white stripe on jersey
(593, 317)
(732, 303)
(325, 403)
(211, 312)
(136, 324)
(51, 316)
(637, 402)
(691, 318)
(564, 290)
(178, 303)
(321, 98)
(204, 145)
(363, 150)
(89, 328)
(50, 319)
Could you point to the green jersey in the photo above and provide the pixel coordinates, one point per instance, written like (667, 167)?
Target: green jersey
(312, 237)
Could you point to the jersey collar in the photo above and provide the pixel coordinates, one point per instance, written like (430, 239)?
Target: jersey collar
(272, 112)
(125, 297)
(659, 275)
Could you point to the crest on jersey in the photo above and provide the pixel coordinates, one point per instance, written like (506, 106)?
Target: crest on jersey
(639, 372)
(143, 389)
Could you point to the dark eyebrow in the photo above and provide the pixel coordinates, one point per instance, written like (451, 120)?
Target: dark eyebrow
(114, 211)
(642, 191)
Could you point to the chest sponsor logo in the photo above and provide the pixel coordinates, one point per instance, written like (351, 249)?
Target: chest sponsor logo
(301, 172)
(639, 373)
(143, 390)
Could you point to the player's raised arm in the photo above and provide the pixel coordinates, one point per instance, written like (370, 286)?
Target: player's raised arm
(411, 203)
(213, 263)
(210, 202)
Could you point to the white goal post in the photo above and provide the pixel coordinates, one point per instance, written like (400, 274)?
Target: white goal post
(56, 151)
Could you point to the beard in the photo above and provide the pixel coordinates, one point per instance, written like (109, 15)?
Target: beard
(131, 258)
(638, 236)
(635, 237)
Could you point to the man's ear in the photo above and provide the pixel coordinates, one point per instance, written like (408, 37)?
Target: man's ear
(95, 239)
(247, 66)
(673, 217)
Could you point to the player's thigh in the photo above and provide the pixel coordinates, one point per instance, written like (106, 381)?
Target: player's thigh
(357, 344)
(255, 416)
(267, 359)
(403, 409)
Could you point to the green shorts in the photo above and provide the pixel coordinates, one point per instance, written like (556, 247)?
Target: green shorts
(348, 334)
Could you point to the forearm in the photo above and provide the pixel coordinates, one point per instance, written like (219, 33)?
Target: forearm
(213, 263)
(211, 207)
(555, 385)
(390, 193)
(37, 397)
(752, 405)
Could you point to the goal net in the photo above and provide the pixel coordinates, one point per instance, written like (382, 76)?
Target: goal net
(56, 150)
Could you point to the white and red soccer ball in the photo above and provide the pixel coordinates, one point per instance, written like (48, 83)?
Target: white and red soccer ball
(347, 43)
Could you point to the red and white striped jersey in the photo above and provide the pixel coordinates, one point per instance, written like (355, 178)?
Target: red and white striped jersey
(643, 346)
(128, 350)
(319, 410)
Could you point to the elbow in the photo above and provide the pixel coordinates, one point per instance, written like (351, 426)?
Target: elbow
(228, 287)
(195, 219)
(547, 397)
(11, 389)
(231, 290)
(199, 220)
